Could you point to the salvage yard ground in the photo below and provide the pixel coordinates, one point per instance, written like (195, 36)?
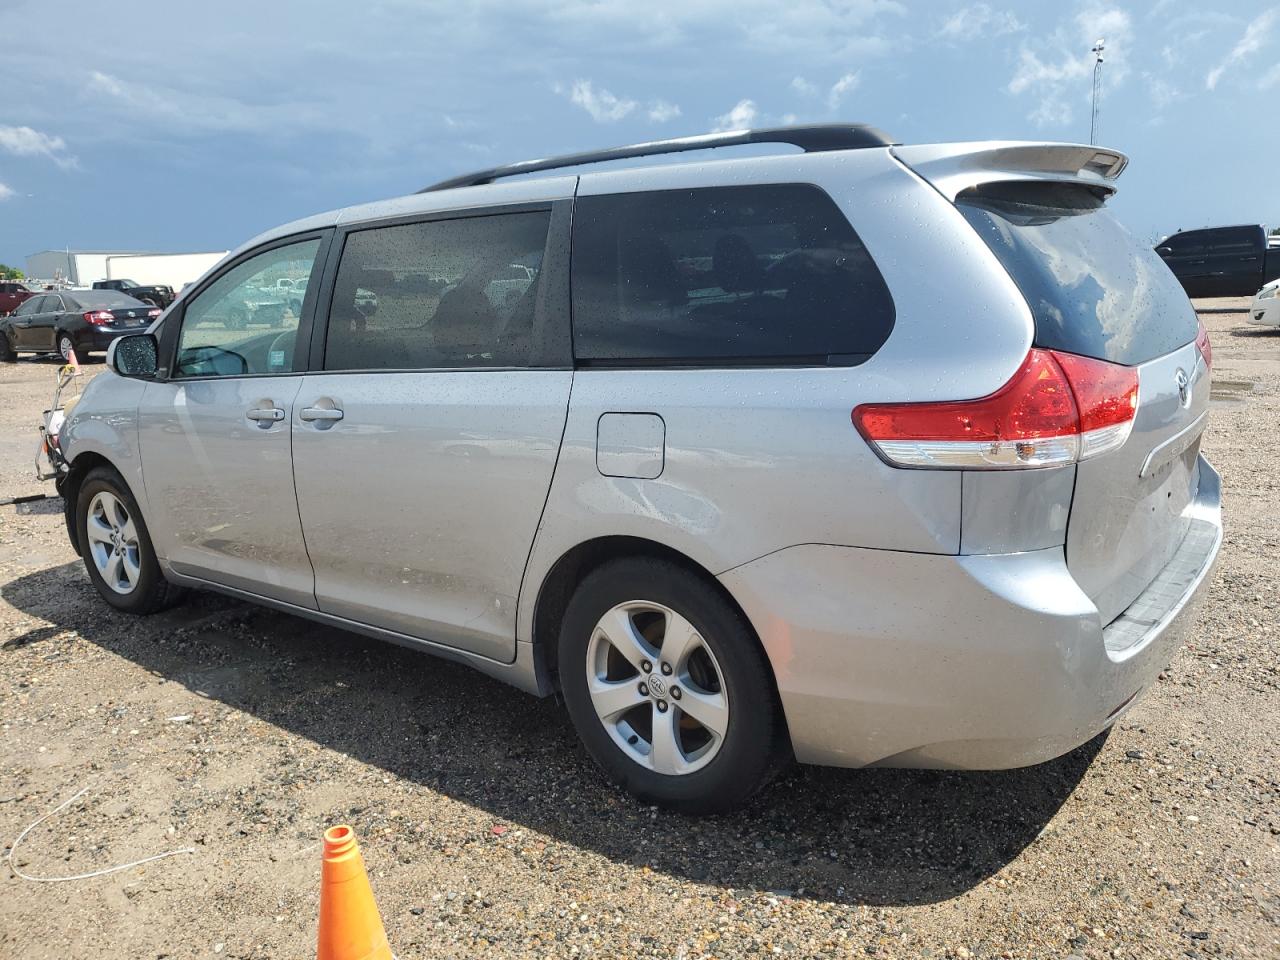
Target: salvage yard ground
(242, 732)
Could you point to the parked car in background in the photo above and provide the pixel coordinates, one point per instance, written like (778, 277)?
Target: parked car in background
(13, 293)
(752, 468)
(158, 295)
(81, 320)
(1221, 261)
(1265, 309)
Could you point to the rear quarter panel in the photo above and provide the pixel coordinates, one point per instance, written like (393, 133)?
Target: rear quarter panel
(757, 460)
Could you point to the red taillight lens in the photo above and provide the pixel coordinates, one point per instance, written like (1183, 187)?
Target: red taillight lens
(1203, 344)
(1058, 408)
(154, 313)
(99, 317)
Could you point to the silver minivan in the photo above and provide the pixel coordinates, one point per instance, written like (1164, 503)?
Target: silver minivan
(856, 453)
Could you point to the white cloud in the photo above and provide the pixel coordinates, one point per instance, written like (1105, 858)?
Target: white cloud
(26, 142)
(660, 111)
(177, 109)
(1256, 35)
(1057, 71)
(803, 87)
(845, 85)
(742, 116)
(817, 29)
(980, 20)
(1162, 92)
(603, 106)
(1270, 78)
(6, 191)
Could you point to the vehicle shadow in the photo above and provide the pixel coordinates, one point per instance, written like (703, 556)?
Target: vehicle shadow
(1253, 331)
(874, 837)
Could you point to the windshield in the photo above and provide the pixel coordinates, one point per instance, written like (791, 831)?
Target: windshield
(1093, 289)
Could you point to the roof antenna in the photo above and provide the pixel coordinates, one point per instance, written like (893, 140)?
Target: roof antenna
(1097, 80)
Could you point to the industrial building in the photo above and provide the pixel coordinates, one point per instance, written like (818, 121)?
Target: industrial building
(80, 268)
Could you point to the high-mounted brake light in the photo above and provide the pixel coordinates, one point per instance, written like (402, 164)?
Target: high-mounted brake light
(99, 317)
(1057, 409)
(1203, 344)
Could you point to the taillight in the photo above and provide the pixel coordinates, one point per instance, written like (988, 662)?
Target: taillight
(99, 317)
(1203, 344)
(1057, 409)
(154, 313)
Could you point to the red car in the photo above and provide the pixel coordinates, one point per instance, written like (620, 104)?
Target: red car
(12, 293)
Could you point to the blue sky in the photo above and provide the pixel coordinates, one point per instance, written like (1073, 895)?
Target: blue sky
(148, 125)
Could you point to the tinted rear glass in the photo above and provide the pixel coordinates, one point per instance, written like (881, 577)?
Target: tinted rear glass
(105, 300)
(750, 274)
(1093, 289)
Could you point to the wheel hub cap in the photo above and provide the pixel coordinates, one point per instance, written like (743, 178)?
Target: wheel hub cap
(113, 543)
(657, 688)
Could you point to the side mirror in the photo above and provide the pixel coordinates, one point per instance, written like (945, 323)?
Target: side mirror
(134, 356)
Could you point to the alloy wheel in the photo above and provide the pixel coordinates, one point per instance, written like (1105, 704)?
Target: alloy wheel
(65, 347)
(657, 688)
(113, 543)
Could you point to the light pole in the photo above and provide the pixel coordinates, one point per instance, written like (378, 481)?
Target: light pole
(1097, 81)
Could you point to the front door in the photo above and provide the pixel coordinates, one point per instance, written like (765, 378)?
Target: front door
(214, 435)
(23, 322)
(424, 448)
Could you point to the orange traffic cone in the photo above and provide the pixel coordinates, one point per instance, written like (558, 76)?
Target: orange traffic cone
(350, 926)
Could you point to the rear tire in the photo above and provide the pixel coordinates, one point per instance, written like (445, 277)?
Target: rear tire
(688, 718)
(65, 346)
(116, 545)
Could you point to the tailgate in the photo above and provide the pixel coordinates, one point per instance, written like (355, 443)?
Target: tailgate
(1096, 291)
(1128, 514)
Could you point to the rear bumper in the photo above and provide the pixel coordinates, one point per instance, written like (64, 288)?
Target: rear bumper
(978, 662)
(100, 340)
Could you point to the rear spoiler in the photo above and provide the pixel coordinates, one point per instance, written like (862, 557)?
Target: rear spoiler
(955, 167)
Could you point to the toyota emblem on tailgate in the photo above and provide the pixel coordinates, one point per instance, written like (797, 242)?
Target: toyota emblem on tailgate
(1183, 384)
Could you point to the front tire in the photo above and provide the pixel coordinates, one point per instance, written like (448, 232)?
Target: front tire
(7, 354)
(669, 688)
(116, 545)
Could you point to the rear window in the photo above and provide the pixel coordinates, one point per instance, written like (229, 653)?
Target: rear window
(1093, 289)
(105, 300)
(770, 274)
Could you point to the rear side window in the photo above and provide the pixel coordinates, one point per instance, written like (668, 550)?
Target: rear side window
(439, 294)
(1237, 240)
(770, 274)
(1093, 289)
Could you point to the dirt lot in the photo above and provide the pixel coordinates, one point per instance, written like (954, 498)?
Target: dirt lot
(242, 733)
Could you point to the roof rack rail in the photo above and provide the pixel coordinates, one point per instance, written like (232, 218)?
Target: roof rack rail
(811, 138)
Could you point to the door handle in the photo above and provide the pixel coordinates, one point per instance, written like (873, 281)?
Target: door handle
(323, 413)
(265, 415)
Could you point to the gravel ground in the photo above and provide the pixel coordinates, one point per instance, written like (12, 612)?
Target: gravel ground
(242, 733)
